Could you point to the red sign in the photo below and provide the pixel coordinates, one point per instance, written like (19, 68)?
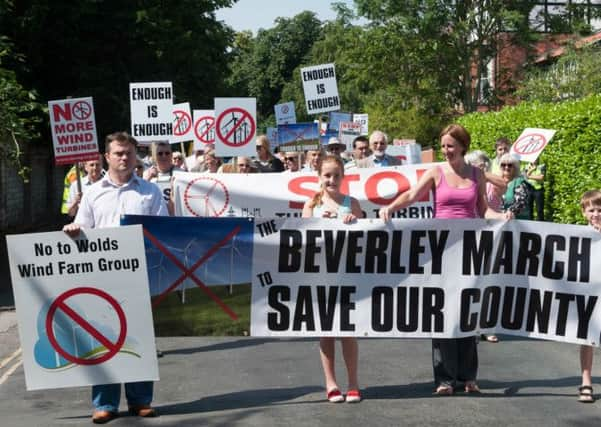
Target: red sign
(530, 144)
(204, 129)
(182, 123)
(235, 127)
(73, 130)
(112, 347)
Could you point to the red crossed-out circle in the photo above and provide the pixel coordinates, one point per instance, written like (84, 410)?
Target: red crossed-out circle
(191, 193)
(81, 110)
(112, 347)
(242, 116)
(530, 143)
(181, 118)
(205, 135)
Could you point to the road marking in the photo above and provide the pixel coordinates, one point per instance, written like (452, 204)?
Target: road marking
(10, 370)
(11, 357)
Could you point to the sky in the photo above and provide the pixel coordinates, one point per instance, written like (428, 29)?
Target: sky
(255, 14)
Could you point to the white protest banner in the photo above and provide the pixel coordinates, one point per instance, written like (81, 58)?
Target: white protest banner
(73, 130)
(321, 90)
(531, 143)
(283, 195)
(235, 126)
(285, 113)
(426, 278)
(410, 154)
(83, 307)
(151, 107)
(204, 128)
(182, 123)
(348, 132)
(362, 119)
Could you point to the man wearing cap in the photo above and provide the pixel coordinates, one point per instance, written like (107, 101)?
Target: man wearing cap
(378, 141)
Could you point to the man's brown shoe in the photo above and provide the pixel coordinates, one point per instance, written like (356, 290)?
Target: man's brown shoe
(145, 411)
(102, 417)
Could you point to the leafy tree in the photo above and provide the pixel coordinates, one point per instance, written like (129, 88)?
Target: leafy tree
(443, 45)
(263, 65)
(97, 47)
(19, 111)
(575, 75)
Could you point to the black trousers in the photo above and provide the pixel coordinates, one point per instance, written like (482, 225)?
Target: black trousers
(538, 197)
(455, 360)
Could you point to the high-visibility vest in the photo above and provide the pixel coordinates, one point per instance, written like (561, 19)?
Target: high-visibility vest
(539, 170)
(70, 177)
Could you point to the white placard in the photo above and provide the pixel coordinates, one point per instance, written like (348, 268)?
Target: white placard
(73, 126)
(347, 132)
(183, 129)
(151, 111)
(285, 113)
(204, 128)
(363, 119)
(321, 89)
(531, 143)
(83, 307)
(235, 126)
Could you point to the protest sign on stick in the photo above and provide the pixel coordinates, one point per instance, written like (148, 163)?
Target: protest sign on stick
(151, 107)
(73, 128)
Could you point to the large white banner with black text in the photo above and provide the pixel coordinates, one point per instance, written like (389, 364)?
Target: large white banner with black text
(426, 278)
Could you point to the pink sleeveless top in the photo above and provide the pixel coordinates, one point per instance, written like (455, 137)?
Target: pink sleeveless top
(450, 202)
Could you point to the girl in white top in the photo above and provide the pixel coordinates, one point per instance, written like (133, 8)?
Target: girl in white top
(329, 202)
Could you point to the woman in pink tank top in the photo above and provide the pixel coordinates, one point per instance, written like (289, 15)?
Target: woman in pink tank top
(459, 192)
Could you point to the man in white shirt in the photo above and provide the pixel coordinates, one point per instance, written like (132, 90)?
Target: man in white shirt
(94, 172)
(119, 192)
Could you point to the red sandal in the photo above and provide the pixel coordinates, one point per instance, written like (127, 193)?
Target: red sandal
(353, 396)
(335, 396)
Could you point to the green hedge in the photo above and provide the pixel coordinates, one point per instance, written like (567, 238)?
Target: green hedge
(573, 157)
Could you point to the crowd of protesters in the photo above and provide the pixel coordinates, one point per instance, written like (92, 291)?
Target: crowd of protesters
(466, 185)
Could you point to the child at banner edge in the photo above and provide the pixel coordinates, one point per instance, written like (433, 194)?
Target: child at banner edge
(590, 203)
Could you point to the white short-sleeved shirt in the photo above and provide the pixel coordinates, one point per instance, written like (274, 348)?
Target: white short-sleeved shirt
(104, 202)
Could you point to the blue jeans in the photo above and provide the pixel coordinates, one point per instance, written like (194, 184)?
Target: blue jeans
(106, 397)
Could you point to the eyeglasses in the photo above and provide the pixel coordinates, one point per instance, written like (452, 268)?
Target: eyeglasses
(243, 165)
(163, 153)
(334, 148)
(290, 159)
(506, 165)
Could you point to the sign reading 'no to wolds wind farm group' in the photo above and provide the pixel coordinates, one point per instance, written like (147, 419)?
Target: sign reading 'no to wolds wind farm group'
(83, 307)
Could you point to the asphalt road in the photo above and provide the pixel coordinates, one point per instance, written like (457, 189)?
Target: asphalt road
(246, 381)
